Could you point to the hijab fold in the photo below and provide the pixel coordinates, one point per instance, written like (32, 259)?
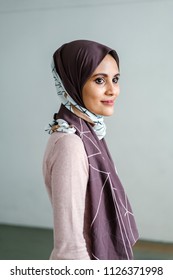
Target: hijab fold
(97, 120)
(112, 227)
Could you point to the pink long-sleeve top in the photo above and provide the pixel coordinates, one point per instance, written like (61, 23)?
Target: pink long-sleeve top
(65, 171)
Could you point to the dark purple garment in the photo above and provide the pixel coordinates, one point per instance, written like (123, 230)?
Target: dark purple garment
(113, 229)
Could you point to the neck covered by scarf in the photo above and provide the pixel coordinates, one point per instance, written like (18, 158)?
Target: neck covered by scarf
(112, 226)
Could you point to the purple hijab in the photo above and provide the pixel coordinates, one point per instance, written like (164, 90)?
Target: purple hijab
(113, 229)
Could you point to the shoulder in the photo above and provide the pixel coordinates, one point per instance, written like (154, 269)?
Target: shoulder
(65, 146)
(67, 141)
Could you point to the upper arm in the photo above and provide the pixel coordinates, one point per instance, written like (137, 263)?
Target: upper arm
(69, 177)
(69, 159)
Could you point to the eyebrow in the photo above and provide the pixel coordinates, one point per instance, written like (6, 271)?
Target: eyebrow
(105, 75)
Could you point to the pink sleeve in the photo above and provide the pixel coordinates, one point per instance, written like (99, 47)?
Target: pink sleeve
(68, 168)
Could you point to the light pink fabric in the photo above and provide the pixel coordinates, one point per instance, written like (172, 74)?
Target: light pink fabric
(65, 170)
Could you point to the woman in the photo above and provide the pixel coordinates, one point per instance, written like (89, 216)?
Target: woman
(92, 216)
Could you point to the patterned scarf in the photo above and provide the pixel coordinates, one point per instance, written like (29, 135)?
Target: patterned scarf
(61, 125)
(112, 227)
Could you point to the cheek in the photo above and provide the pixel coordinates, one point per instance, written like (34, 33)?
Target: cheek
(90, 97)
(87, 93)
(89, 100)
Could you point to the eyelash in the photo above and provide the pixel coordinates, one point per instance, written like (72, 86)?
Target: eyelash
(98, 80)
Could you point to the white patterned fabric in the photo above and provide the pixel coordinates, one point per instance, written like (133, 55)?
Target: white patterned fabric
(67, 101)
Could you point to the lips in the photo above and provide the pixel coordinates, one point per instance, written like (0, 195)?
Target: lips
(108, 102)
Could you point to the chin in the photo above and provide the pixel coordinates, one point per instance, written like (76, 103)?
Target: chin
(104, 113)
(107, 113)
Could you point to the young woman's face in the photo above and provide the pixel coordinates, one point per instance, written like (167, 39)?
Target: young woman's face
(102, 88)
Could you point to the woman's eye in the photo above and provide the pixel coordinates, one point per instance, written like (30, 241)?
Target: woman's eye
(115, 80)
(99, 81)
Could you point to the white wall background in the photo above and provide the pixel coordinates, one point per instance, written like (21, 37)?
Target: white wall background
(140, 134)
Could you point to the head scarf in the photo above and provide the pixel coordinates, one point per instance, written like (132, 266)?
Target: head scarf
(61, 125)
(112, 229)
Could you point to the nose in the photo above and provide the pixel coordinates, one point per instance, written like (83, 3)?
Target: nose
(112, 89)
